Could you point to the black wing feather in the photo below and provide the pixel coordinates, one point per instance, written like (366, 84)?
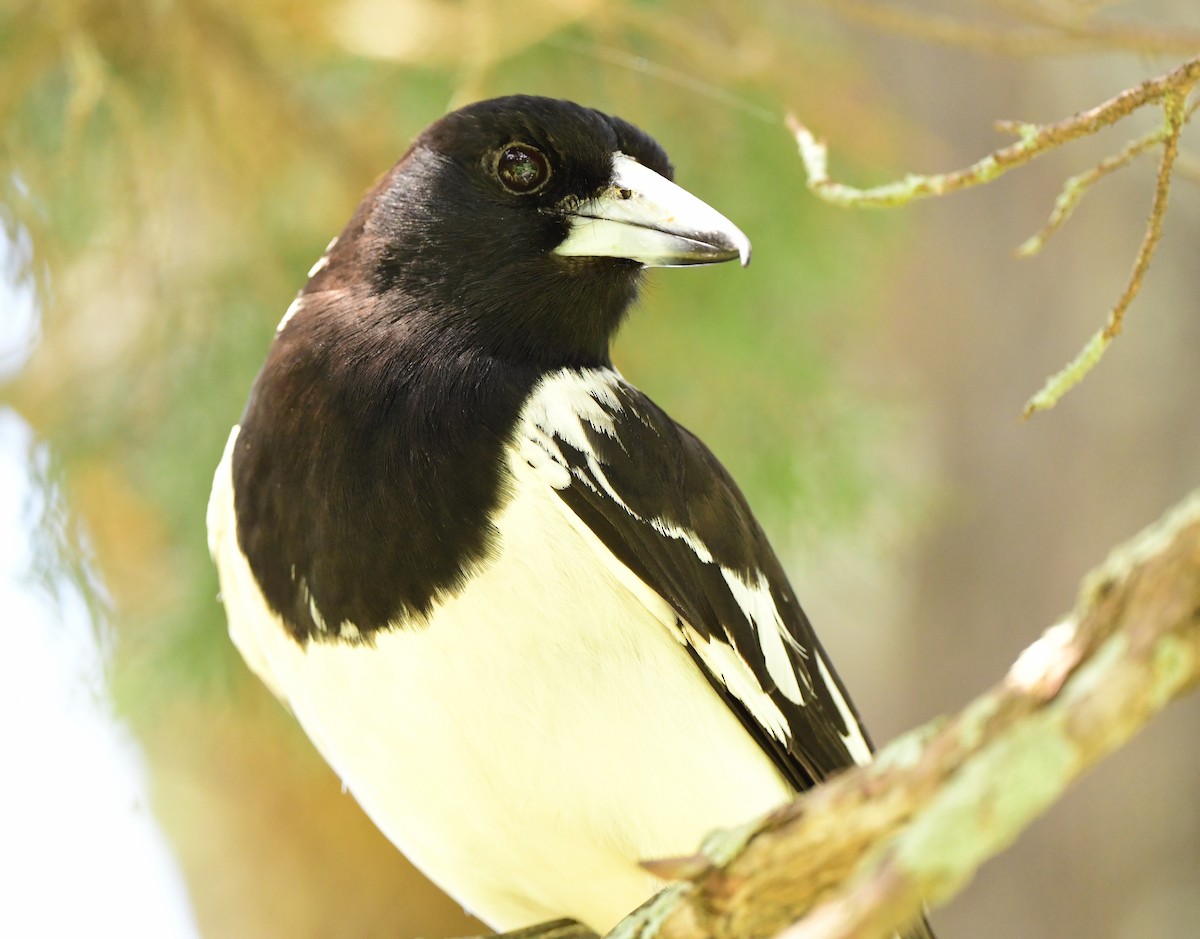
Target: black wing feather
(650, 476)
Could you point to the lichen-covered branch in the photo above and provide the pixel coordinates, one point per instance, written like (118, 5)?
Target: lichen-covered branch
(1169, 91)
(1034, 140)
(1076, 187)
(858, 856)
(1066, 378)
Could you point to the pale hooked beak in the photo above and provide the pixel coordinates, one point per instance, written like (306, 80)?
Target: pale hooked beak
(646, 218)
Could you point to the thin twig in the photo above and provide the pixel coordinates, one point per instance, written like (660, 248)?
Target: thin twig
(1070, 374)
(1170, 90)
(1175, 113)
(1077, 186)
(1035, 139)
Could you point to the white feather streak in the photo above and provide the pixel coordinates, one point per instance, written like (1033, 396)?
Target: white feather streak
(853, 738)
(759, 606)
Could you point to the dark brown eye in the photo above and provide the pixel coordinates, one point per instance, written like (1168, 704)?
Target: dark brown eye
(521, 168)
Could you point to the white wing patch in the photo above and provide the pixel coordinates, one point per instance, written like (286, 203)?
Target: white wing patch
(690, 538)
(853, 738)
(538, 449)
(557, 410)
(721, 659)
(564, 400)
(560, 405)
(756, 600)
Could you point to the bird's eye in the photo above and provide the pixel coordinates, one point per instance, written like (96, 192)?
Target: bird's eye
(522, 169)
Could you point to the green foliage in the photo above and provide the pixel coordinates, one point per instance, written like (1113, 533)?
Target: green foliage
(179, 166)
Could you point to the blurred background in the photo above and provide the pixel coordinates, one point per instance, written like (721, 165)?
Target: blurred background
(169, 170)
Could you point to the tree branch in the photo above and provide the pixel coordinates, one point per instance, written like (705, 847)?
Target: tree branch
(1068, 377)
(1170, 91)
(858, 856)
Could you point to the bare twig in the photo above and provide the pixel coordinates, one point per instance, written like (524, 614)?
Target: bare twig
(1065, 379)
(857, 856)
(1077, 186)
(1170, 91)
(1035, 139)
(1070, 374)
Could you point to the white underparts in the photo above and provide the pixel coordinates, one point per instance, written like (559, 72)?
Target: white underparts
(549, 704)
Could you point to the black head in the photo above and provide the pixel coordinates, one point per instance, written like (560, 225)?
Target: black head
(520, 226)
(506, 243)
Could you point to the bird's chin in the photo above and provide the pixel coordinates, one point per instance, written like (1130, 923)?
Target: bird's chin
(620, 265)
(620, 269)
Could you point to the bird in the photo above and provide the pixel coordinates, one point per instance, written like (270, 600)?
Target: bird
(529, 619)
